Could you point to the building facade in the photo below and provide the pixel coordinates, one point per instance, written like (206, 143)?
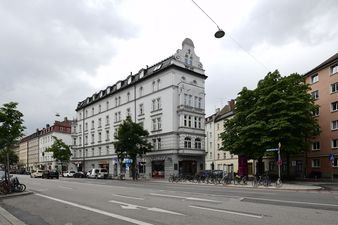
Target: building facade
(32, 155)
(216, 158)
(60, 130)
(167, 99)
(323, 154)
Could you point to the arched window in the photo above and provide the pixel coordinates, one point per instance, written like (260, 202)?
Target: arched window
(187, 142)
(198, 143)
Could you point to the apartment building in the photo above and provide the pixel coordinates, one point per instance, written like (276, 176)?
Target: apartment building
(323, 154)
(60, 130)
(167, 99)
(216, 158)
(32, 148)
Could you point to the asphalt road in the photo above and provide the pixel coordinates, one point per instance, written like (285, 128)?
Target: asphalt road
(70, 201)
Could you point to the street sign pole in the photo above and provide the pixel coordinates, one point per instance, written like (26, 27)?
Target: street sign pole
(279, 160)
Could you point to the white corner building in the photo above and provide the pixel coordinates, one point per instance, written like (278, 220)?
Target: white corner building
(167, 99)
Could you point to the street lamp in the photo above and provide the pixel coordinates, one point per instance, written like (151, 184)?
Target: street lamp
(220, 33)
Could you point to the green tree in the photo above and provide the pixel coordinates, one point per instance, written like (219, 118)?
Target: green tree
(13, 157)
(131, 142)
(279, 110)
(61, 151)
(11, 128)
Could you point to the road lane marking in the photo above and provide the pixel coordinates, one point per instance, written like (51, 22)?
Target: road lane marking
(125, 196)
(113, 215)
(227, 211)
(125, 205)
(65, 187)
(295, 202)
(183, 197)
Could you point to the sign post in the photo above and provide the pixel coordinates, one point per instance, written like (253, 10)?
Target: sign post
(279, 163)
(331, 158)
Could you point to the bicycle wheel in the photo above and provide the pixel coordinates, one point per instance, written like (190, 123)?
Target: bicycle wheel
(22, 187)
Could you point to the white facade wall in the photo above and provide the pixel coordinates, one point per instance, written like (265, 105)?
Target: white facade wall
(168, 88)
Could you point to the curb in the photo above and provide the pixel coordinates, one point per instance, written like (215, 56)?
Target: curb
(8, 219)
(12, 195)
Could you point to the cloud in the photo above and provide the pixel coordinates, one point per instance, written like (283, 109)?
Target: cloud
(280, 22)
(47, 46)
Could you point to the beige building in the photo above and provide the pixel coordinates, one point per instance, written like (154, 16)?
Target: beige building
(23, 150)
(33, 151)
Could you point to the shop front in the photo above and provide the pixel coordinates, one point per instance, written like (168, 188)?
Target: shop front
(157, 169)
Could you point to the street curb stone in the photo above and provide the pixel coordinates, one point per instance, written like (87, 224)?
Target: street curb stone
(8, 219)
(16, 194)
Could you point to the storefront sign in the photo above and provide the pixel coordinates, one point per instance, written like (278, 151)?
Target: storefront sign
(103, 162)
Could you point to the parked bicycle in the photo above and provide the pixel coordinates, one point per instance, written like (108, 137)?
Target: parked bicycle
(12, 185)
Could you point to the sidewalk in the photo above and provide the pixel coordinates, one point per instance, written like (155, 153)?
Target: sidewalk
(5, 217)
(8, 219)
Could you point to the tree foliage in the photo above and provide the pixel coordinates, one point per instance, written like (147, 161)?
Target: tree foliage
(13, 157)
(11, 125)
(279, 110)
(60, 150)
(131, 142)
(11, 129)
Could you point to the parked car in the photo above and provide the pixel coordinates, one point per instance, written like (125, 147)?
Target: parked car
(98, 173)
(79, 174)
(69, 173)
(37, 173)
(50, 174)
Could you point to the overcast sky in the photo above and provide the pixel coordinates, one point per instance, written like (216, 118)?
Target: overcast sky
(54, 54)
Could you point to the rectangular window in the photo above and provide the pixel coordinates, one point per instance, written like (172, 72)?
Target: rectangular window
(99, 122)
(99, 108)
(185, 120)
(334, 125)
(128, 112)
(107, 150)
(335, 162)
(159, 123)
(92, 124)
(190, 100)
(107, 120)
(159, 143)
(107, 135)
(154, 105)
(154, 86)
(334, 69)
(141, 109)
(99, 137)
(115, 117)
(93, 139)
(314, 78)
(154, 144)
(128, 97)
(200, 123)
(80, 141)
(316, 112)
(195, 122)
(334, 143)
(86, 126)
(185, 99)
(315, 94)
(334, 106)
(107, 105)
(199, 103)
(196, 102)
(119, 116)
(316, 146)
(93, 111)
(74, 143)
(189, 121)
(315, 163)
(159, 106)
(334, 87)
(154, 124)
(80, 128)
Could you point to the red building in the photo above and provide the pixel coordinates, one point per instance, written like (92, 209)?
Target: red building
(323, 81)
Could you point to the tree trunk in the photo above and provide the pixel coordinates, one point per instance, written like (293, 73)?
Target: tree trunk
(287, 165)
(133, 169)
(260, 166)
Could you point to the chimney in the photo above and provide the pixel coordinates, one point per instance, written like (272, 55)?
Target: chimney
(231, 103)
(217, 110)
(47, 125)
(65, 119)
